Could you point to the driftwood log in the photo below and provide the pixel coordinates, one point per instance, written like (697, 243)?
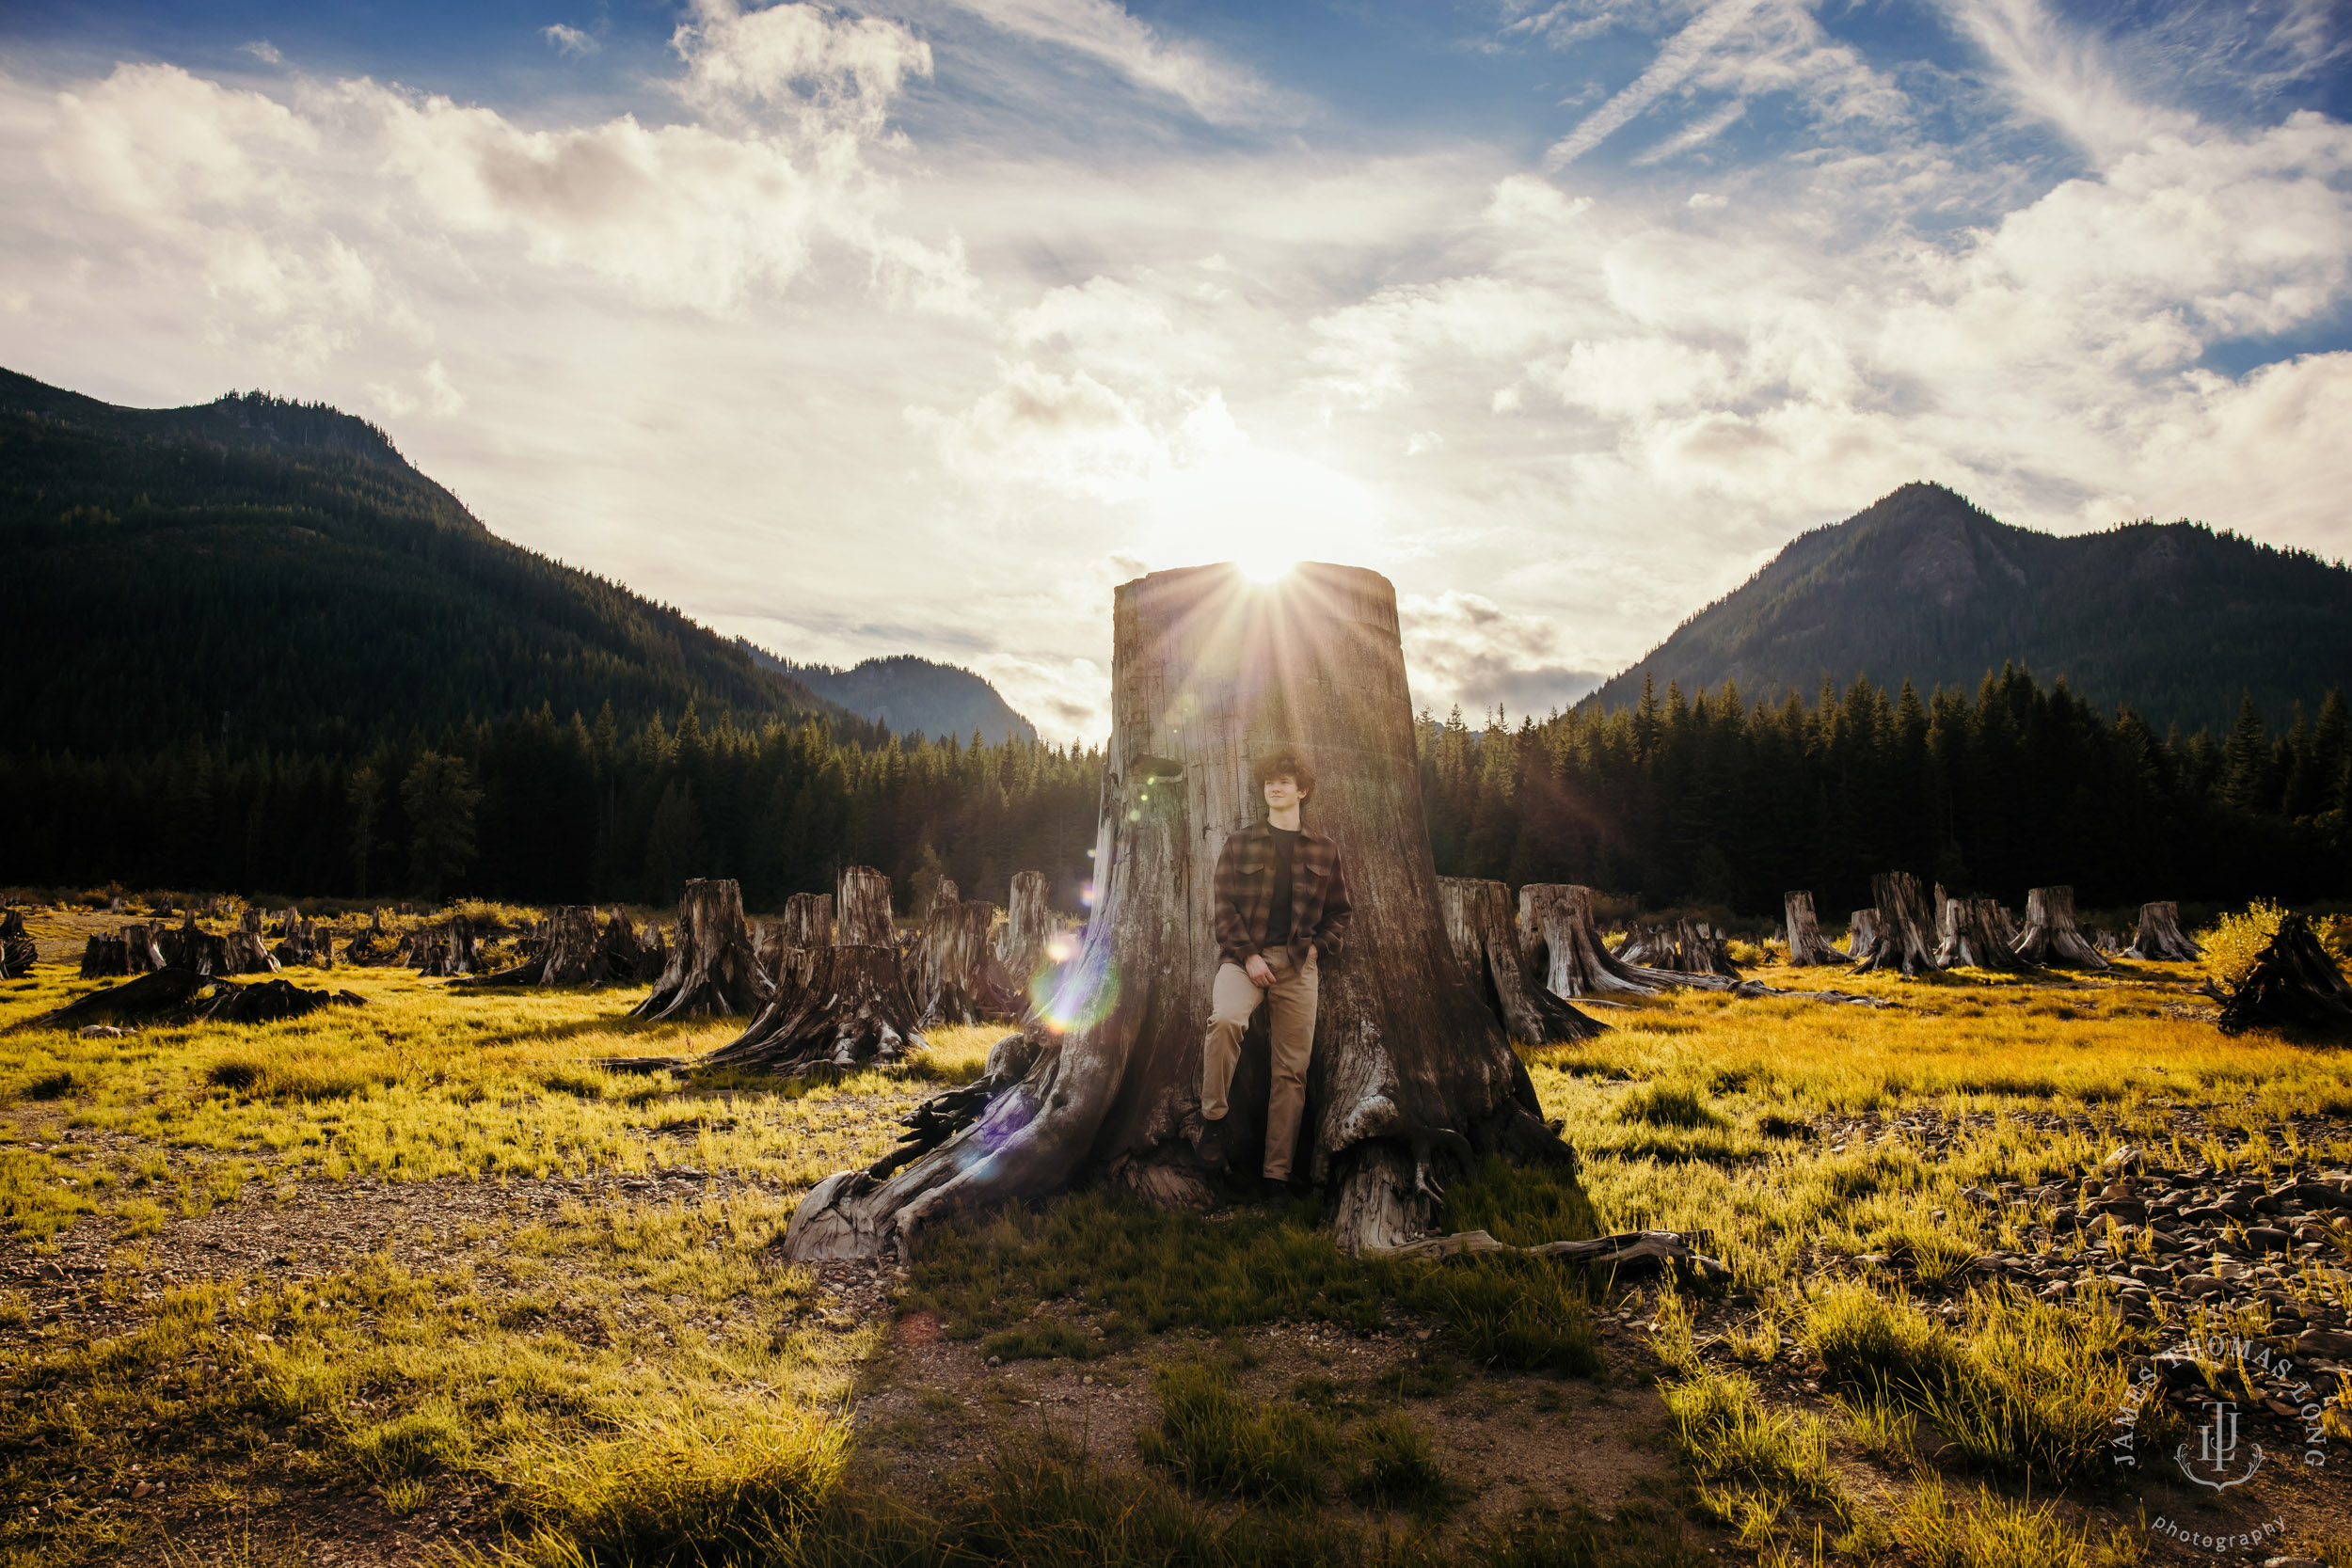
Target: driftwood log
(2051, 938)
(2160, 937)
(1627, 1252)
(2293, 981)
(1805, 946)
(1900, 927)
(1477, 915)
(713, 971)
(1971, 937)
(1210, 670)
(17, 951)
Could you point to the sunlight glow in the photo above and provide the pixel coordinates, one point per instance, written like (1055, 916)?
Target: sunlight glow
(1267, 564)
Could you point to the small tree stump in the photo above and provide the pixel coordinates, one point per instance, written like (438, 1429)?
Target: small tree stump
(194, 949)
(447, 951)
(1860, 932)
(571, 952)
(242, 951)
(1805, 946)
(1899, 927)
(2051, 938)
(959, 979)
(2293, 981)
(2160, 938)
(1021, 945)
(17, 951)
(1971, 936)
(714, 969)
(1477, 916)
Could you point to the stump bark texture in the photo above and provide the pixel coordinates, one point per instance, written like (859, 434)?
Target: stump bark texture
(957, 978)
(1560, 941)
(2293, 981)
(17, 951)
(2051, 938)
(713, 971)
(1021, 944)
(1805, 946)
(1972, 936)
(2160, 937)
(1478, 923)
(1900, 927)
(1208, 671)
(862, 915)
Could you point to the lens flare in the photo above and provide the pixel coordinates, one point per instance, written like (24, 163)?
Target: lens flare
(1078, 993)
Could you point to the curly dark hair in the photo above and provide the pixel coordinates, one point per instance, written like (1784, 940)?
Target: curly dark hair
(1282, 760)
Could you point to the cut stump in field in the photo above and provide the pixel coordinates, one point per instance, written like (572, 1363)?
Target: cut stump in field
(1560, 941)
(1861, 933)
(572, 952)
(862, 909)
(189, 946)
(1021, 944)
(957, 978)
(130, 950)
(2160, 938)
(2293, 981)
(2051, 938)
(1971, 937)
(1478, 923)
(1899, 927)
(713, 971)
(17, 951)
(1805, 945)
(1210, 670)
(446, 951)
(854, 1007)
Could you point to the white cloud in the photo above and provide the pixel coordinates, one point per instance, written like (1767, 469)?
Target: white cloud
(263, 51)
(1465, 649)
(1214, 89)
(569, 41)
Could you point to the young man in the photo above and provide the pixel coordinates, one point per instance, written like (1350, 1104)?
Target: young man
(1282, 908)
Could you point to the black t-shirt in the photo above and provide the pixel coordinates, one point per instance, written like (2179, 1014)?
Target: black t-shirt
(1278, 915)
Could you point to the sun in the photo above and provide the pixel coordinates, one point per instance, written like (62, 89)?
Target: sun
(1264, 565)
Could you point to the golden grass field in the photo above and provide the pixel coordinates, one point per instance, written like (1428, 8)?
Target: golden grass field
(417, 1282)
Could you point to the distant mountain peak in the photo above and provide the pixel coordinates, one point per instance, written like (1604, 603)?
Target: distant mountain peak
(910, 696)
(2172, 619)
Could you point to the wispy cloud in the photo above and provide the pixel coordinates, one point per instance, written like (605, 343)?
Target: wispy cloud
(1674, 65)
(263, 51)
(568, 41)
(1216, 90)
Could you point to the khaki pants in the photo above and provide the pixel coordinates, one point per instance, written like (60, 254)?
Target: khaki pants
(1232, 1003)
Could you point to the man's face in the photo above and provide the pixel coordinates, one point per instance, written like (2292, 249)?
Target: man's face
(1281, 792)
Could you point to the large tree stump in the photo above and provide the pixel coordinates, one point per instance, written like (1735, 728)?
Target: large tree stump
(1971, 936)
(713, 971)
(17, 951)
(1861, 933)
(2160, 938)
(1559, 940)
(2051, 938)
(2293, 981)
(1477, 916)
(1805, 945)
(1900, 927)
(861, 914)
(800, 940)
(1021, 945)
(572, 952)
(1209, 670)
(961, 980)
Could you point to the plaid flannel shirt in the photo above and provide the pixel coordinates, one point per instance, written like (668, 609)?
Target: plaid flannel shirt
(1244, 894)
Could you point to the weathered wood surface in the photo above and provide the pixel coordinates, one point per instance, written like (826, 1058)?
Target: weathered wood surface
(1861, 933)
(1021, 942)
(2051, 938)
(956, 978)
(1559, 940)
(1210, 670)
(1900, 927)
(853, 1007)
(1972, 936)
(17, 951)
(713, 971)
(2293, 982)
(2160, 938)
(1805, 945)
(1478, 923)
(862, 911)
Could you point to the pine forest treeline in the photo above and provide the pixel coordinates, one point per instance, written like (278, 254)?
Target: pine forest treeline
(1676, 801)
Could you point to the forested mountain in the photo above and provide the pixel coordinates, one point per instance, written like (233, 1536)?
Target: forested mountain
(2173, 620)
(266, 574)
(910, 696)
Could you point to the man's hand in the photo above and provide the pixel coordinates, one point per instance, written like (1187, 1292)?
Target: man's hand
(1261, 973)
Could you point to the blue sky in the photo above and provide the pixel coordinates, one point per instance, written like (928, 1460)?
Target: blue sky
(913, 327)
